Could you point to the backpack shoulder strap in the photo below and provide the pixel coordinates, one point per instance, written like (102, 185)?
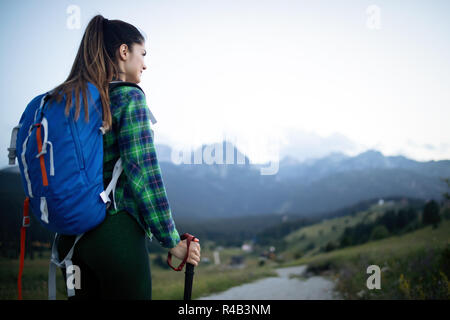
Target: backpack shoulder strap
(115, 84)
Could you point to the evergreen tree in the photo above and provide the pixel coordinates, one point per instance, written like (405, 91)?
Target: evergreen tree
(446, 194)
(431, 213)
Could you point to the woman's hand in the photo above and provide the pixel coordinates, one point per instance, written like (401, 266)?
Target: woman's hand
(194, 252)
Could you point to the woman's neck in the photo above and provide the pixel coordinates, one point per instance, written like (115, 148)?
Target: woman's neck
(122, 76)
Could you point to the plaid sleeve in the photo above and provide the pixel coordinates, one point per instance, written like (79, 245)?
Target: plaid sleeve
(141, 167)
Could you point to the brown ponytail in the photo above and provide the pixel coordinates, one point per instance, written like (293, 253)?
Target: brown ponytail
(95, 62)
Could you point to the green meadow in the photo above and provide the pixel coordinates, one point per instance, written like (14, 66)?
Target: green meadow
(414, 264)
(167, 284)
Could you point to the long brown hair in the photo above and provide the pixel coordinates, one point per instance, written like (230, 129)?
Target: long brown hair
(96, 63)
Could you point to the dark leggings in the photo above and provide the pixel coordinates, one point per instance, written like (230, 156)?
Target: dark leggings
(113, 260)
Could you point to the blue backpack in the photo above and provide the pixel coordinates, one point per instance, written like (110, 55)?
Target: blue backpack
(61, 166)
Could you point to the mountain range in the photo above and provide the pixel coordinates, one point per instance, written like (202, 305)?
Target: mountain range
(300, 188)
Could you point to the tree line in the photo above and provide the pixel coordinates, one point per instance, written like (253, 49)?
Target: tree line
(392, 222)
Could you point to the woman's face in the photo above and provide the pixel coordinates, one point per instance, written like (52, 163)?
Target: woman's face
(131, 63)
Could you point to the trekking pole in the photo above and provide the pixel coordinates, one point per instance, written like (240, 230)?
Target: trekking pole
(189, 273)
(188, 278)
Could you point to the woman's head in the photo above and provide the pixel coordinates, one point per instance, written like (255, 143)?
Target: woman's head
(131, 62)
(125, 45)
(109, 50)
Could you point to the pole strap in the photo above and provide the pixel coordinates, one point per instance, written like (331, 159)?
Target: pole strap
(188, 237)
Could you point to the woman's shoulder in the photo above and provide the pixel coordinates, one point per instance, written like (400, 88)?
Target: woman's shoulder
(126, 97)
(127, 92)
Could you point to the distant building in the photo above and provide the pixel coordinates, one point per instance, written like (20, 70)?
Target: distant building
(206, 260)
(237, 262)
(216, 257)
(247, 247)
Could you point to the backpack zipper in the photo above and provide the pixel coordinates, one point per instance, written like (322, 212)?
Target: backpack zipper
(77, 141)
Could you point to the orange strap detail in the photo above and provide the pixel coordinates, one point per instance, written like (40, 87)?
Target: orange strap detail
(41, 158)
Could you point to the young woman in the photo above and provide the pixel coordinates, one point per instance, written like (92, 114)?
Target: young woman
(113, 257)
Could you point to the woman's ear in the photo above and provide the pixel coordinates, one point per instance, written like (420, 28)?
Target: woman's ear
(123, 52)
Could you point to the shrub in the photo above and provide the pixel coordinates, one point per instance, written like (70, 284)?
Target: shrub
(330, 246)
(446, 213)
(310, 246)
(379, 232)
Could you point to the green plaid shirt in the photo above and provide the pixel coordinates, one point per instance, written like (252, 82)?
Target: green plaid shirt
(140, 189)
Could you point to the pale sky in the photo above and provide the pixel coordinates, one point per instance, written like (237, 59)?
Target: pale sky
(300, 78)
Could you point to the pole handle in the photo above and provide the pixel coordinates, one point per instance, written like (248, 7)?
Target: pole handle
(188, 237)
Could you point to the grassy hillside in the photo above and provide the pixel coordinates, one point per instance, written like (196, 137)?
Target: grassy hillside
(415, 265)
(309, 240)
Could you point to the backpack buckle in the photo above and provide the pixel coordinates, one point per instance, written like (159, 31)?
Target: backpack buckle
(26, 221)
(12, 148)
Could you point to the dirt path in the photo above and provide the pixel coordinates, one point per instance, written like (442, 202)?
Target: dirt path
(287, 286)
